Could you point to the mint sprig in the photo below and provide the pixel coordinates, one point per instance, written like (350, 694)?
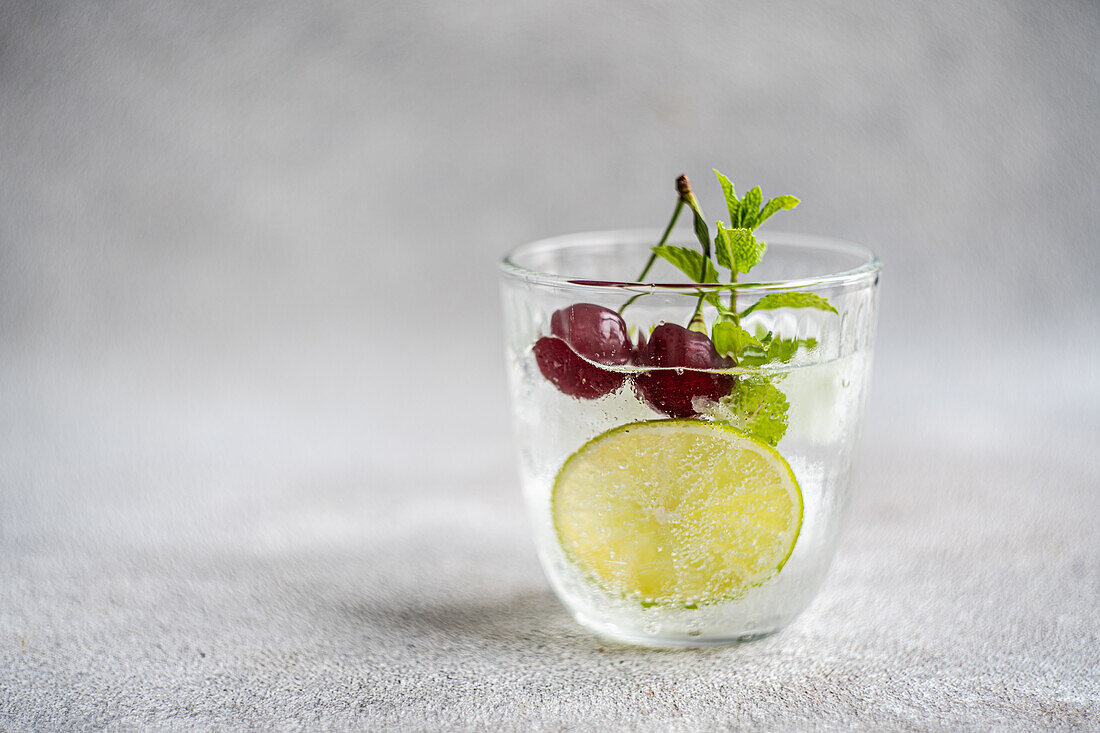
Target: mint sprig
(736, 249)
(755, 404)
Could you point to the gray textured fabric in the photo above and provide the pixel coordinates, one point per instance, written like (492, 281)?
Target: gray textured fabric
(181, 563)
(248, 481)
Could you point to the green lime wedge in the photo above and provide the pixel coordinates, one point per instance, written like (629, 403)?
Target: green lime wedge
(677, 512)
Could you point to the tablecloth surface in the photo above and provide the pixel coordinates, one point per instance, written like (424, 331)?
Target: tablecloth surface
(218, 555)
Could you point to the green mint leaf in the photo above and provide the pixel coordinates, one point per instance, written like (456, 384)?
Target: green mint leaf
(690, 262)
(744, 250)
(789, 300)
(723, 249)
(775, 350)
(729, 338)
(733, 204)
(750, 208)
(783, 350)
(756, 406)
(687, 261)
(753, 356)
(779, 202)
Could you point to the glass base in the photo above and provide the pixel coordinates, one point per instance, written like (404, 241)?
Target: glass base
(615, 633)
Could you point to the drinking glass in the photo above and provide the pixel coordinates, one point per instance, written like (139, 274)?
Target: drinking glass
(654, 550)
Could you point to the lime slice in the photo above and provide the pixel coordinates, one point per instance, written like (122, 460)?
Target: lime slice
(677, 512)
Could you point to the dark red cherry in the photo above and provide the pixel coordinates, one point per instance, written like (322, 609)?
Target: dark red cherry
(681, 351)
(593, 331)
(570, 373)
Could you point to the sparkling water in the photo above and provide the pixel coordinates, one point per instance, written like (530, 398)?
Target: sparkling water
(826, 404)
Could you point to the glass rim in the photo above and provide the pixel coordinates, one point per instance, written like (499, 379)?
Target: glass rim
(867, 271)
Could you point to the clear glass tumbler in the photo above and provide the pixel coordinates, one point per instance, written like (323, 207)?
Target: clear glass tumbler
(680, 506)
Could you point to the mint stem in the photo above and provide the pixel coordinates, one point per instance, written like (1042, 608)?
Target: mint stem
(653, 257)
(733, 297)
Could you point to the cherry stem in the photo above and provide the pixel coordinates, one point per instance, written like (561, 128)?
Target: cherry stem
(683, 187)
(653, 257)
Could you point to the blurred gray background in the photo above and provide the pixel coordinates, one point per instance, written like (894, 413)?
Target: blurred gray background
(252, 394)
